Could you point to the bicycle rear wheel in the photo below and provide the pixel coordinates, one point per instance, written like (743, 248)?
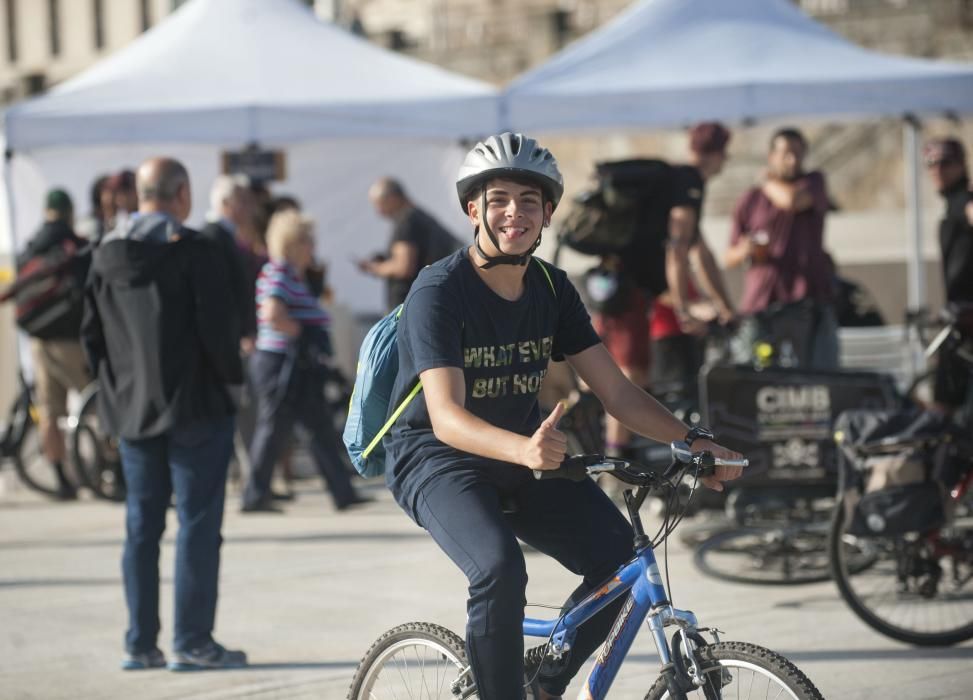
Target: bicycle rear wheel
(415, 660)
(919, 589)
(95, 455)
(744, 671)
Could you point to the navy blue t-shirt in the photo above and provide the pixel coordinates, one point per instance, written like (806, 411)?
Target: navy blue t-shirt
(451, 318)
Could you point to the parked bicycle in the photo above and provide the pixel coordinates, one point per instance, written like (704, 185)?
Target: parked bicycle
(423, 660)
(906, 505)
(20, 444)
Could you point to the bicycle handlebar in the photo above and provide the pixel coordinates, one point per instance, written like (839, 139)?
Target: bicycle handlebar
(578, 467)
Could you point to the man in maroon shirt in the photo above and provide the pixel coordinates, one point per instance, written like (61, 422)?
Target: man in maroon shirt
(778, 231)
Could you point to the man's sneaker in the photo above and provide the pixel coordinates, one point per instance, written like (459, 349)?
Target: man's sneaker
(209, 656)
(139, 661)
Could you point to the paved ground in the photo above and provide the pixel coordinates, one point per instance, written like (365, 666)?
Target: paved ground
(307, 592)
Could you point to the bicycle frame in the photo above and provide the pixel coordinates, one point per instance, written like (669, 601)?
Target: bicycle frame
(956, 494)
(647, 600)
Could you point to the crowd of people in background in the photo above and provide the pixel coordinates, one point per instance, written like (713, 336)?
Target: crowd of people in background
(181, 330)
(195, 337)
(655, 335)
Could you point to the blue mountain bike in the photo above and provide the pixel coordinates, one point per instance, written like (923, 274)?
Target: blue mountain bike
(422, 660)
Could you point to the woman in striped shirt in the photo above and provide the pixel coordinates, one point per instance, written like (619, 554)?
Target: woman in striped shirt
(286, 368)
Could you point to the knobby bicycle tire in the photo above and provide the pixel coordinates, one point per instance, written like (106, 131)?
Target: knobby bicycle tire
(838, 550)
(732, 668)
(431, 639)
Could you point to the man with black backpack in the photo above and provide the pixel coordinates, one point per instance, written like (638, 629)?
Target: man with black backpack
(656, 323)
(49, 302)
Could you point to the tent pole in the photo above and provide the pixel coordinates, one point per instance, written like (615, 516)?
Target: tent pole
(916, 265)
(8, 194)
(21, 354)
(915, 262)
(503, 113)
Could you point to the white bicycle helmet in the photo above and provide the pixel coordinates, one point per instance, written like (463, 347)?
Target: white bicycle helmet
(505, 155)
(508, 155)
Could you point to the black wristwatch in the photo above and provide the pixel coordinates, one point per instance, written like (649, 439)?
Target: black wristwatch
(697, 433)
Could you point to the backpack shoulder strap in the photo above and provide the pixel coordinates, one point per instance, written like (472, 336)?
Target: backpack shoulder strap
(391, 420)
(547, 274)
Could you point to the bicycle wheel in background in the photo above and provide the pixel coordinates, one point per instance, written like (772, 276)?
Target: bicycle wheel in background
(416, 660)
(740, 670)
(95, 456)
(32, 467)
(769, 555)
(919, 589)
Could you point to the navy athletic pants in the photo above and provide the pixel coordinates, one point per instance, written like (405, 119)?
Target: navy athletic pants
(575, 523)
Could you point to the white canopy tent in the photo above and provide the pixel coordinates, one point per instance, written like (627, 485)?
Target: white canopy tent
(674, 62)
(223, 74)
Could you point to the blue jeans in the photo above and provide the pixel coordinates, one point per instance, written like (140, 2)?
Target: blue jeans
(190, 461)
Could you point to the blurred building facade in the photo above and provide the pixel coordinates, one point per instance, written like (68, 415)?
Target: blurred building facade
(43, 42)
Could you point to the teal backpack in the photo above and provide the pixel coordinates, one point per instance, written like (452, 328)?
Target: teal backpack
(368, 410)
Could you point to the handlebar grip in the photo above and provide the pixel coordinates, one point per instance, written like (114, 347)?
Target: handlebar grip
(708, 464)
(743, 463)
(572, 468)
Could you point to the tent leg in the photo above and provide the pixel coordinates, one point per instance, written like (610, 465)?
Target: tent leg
(917, 272)
(20, 349)
(8, 195)
(916, 264)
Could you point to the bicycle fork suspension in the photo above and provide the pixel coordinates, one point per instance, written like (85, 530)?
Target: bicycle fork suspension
(680, 665)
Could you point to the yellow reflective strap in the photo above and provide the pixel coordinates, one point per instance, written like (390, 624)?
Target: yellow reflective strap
(547, 275)
(388, 424)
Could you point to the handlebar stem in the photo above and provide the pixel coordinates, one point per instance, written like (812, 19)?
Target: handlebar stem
(633, 501)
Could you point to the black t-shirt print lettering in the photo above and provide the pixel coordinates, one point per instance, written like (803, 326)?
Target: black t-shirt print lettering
(527, 352)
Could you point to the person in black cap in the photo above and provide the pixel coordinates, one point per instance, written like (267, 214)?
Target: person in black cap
(945, 160)
(58, 361)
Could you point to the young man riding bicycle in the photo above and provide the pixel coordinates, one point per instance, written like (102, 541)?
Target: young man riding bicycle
(478, 329)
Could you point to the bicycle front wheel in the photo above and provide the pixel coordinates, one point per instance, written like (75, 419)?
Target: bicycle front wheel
(744, 671)
(33, 468)
(417, 660)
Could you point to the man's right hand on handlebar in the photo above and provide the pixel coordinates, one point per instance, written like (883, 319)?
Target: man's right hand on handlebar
(721, 473)
(547, 447)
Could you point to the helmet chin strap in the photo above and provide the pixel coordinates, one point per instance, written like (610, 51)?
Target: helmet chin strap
(494, 260)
